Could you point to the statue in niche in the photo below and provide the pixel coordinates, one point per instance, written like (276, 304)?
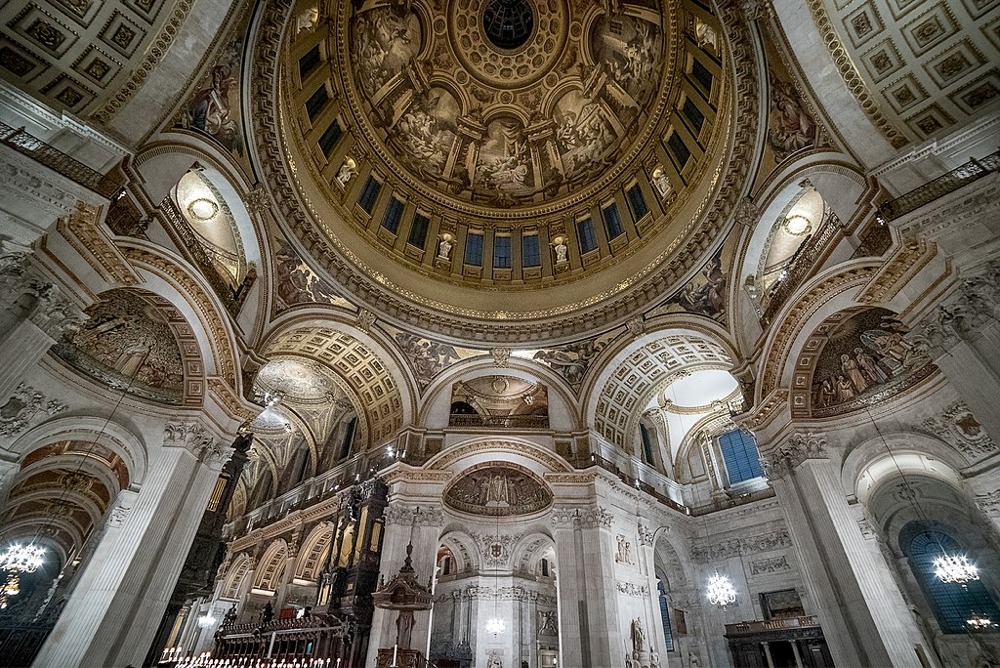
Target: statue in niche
(638, 635)
(624, 553)
(661, 181)
(347, 171)
(560, 248)
(547, 622)
(307, 20)
(444, 247)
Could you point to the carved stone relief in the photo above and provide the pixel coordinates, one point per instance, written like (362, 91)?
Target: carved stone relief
(498, 491)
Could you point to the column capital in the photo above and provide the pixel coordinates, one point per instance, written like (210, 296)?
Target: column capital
(797, 448)
(961, 315)
(590, 518)
(195, 439)
(25, 290)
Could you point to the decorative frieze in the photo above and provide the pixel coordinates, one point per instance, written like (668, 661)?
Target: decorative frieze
(632, 589)
(769, 565)
(799, 447)
(958, 427)
(775, 540)
(23, 406)
(515, 593)
(414, 515)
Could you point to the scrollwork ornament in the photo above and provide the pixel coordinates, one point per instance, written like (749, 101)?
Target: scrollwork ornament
(22, 407)
(413, 515)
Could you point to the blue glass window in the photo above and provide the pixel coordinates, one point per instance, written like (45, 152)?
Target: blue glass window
(330, 137)
(393, 214)
(474, 249)
(953, 603)
(585, 233)
(370, 194)
(739, 451)
(501, 252)
(612, 221)
(668, 634)
(531, 251)
(637, 201)
(418, 232)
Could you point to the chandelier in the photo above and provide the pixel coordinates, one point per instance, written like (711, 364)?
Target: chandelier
(207, 620)
(11, 587)
(495, 626)
(978, 623)
(22, 558)
(720, 590)
(955, 568)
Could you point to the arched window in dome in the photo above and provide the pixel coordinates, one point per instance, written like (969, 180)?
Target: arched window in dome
(953, 604)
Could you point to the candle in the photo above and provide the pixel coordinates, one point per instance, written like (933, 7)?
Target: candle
(395, 649)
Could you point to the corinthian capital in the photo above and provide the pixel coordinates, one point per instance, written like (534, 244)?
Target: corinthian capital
(193, 438)
(799, 447)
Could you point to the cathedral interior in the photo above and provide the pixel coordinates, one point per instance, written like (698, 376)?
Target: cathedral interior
(500, 333)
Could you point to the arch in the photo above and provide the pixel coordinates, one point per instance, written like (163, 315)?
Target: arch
(529, 550)
(314, 550)
(481, 449)
(232, 584)
(106, 432)
(437, 396)
(271, 566)
(633, 373)
(172, 278)
(463, 550)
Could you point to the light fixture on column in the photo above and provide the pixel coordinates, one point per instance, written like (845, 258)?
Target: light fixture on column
(720, 590)
(949, 568)
(494, 624)
(207, 620)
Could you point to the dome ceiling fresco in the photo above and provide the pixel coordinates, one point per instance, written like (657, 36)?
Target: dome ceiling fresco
(511, 126)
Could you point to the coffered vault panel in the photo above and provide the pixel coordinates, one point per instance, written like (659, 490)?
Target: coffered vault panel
(932, 63)
(378, 398)
(630, 386)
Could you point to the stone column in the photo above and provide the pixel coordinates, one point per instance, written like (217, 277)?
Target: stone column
(587, 595)
(862, 612)
(122, 594)
(35, 315)
(406, 521)
(647, 567)
(962, 336)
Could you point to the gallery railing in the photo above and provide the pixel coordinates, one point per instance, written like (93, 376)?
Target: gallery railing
(801, 263)
(939, 187)
(19, 643)
(500, 421)
(233, 297)
(781, 624)
(27, 144)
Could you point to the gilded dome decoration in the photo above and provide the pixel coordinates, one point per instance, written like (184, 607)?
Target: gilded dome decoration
(516, 146)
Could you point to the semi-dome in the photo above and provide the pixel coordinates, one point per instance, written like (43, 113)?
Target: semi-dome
(521, 147)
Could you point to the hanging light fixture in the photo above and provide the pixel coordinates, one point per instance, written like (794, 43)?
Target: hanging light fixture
(20, 558)
(720, 590)
(978, 623)
(494, 624)
(207, 620)
(957, 569)
(11, 587)
(949, 568)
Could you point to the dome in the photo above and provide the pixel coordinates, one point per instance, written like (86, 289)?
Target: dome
(521, 148)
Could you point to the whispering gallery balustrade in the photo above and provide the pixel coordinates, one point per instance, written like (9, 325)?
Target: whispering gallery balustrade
(939, 187)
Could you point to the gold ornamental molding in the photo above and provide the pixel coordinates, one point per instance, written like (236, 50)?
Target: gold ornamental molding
(910, 257)
(795, 319)
(82, 231)
(849, 73)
